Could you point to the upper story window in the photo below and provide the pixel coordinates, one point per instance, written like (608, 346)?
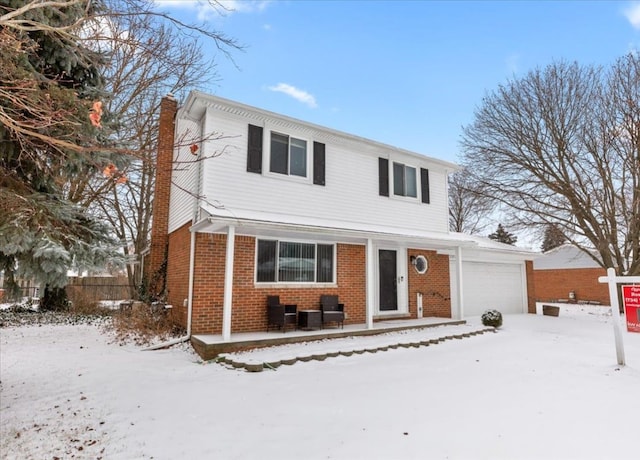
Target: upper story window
(288, 155)
(404, 180)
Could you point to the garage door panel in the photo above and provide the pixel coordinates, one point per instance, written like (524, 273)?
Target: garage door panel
(491, 285)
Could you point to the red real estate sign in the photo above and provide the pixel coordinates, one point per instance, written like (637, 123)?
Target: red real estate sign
(631, 302)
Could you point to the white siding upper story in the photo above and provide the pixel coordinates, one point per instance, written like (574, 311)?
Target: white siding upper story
(350, 193)
(185, 176)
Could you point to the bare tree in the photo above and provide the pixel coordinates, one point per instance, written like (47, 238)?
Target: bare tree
(80, 84)
(469, 208)
(561, 146)
(149, 56)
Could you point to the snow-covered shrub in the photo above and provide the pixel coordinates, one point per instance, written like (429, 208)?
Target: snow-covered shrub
(492, 318)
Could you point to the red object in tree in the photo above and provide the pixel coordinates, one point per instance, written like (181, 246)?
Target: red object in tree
(110, 170)
(95, 114)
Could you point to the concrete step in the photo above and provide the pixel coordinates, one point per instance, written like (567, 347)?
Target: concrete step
(272, 358)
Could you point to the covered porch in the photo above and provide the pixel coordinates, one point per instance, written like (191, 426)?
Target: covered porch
(210, 346)
(372, 313)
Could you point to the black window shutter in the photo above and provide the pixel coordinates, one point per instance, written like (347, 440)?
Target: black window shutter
(383, 176)
(318, 163)
(424, 184)
(254, 150)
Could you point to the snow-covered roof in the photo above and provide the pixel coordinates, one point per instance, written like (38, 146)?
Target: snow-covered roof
(488, 243)
(565, 256)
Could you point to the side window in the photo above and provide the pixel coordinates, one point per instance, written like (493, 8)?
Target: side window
(288, 155)
(404, 180)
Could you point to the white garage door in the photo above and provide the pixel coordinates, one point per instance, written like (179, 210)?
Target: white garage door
(492, 286)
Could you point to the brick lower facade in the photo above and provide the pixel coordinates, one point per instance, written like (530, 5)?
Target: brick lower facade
(556, 284)
(434, 285)
(531, 287)
(178, 273)
(249, 300)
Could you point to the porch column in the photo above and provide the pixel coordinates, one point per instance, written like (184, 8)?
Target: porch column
(228, 284)
(459, 275)
(371, 282)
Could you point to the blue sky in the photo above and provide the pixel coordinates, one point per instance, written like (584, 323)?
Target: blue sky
(406, 73)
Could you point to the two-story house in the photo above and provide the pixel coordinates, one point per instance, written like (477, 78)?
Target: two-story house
(250, 203)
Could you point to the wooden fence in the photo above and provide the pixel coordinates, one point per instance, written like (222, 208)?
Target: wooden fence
(90, 289)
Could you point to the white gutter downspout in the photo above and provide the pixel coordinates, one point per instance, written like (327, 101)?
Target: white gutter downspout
(459, 275)
(192, 265)
(184, 338)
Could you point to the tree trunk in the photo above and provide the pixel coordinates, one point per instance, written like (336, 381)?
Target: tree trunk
(54, 299)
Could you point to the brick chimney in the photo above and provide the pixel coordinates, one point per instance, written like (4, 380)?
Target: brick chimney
(155, 266)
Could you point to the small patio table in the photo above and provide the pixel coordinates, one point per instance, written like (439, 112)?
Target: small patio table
(309, 319)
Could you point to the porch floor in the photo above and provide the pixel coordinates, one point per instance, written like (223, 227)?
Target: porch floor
(209, 346)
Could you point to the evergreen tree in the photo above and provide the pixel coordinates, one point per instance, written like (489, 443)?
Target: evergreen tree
(49, 83)
(503, 236)
(553, 237)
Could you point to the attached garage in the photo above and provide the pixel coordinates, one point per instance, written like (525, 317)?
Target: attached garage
(493, 276)
(501, 286)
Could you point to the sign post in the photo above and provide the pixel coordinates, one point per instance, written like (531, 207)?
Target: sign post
(612, 280)
(631, 301)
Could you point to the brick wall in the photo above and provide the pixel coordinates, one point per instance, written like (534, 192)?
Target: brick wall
(531, 287)
(556, 284)
(249, 301)
(164, 163)
(178, 273)
(435, 285)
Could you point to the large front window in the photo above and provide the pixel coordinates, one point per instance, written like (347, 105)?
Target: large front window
(290, 262)
(404, 180)
(288, 155)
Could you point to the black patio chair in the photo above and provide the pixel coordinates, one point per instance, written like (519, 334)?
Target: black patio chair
(279, 314)
(332, 310)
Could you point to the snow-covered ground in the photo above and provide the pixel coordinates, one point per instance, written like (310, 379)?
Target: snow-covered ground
(540, 388)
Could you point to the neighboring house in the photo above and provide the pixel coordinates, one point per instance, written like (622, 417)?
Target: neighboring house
(293, 209)
(567, 274)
